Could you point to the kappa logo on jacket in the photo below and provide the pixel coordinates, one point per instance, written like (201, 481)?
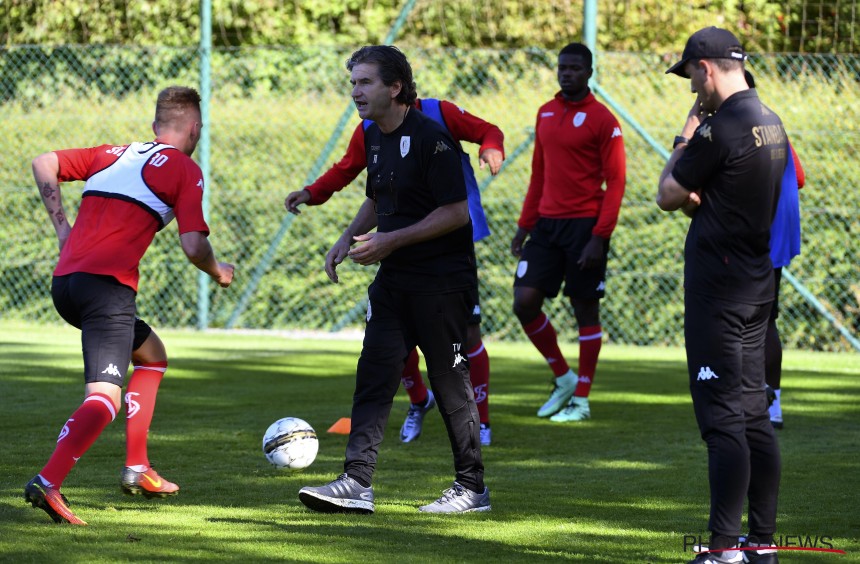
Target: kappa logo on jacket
(579, 119)
(405, 142)
(441, 146)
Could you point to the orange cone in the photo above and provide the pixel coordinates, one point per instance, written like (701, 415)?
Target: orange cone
(341, 426)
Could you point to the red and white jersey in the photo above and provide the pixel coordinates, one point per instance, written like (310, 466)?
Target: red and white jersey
(131, 192)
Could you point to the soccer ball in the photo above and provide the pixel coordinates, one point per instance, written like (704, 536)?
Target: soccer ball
(290, 443)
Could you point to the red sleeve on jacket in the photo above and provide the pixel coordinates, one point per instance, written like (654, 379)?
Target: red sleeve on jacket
(615, 175)
(529, 214)
(342, 172)
(798, 168)
(467, 127)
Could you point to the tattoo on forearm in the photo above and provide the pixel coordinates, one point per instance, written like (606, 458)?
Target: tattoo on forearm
(48, 190)
(61, 217)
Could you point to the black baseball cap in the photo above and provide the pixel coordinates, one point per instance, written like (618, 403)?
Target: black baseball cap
(709, 43)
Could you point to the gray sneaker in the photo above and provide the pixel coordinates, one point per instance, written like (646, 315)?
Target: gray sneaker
(343, 495)
(458, 499)
(414, 422)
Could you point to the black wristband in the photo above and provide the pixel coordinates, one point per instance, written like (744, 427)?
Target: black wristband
(678, 140)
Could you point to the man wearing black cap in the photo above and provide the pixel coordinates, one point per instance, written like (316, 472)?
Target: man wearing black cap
(725, 172)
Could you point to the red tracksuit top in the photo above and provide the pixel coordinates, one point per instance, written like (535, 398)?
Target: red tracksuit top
(578, 147)
(462, 125)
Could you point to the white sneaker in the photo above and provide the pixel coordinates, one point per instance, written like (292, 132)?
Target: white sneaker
(563, 389)
(577, 409)
(728, 556)
(414, 422)
(486, 434)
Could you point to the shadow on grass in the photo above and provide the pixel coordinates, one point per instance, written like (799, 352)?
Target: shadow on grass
(624, 486)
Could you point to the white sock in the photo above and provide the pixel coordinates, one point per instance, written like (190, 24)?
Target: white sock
(775, 408)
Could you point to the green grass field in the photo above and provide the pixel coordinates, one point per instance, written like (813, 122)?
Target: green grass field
(625, 486)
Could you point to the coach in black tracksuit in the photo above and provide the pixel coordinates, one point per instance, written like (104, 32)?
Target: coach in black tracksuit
(725, 171)
(416, 199)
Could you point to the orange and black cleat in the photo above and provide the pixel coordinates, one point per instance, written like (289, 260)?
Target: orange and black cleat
(148, 483)
(51, 501)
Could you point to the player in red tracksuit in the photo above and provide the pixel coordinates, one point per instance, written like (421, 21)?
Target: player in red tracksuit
(131, 192)
(568, 219)
(462, 126)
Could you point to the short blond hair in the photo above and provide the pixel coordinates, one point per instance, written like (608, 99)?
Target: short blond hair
(174, 104)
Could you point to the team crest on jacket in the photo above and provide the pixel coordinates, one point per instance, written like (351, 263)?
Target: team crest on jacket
(405, 141)
(578, 119)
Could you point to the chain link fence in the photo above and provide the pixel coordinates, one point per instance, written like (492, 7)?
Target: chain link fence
(273, 111)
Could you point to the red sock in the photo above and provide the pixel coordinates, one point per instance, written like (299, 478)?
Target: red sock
(479, 372)
(543, 337)
(139, 407)
(412, 380)
(590, 339)
(78, 434)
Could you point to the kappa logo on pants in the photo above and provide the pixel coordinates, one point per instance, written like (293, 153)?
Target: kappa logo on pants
(705, 373)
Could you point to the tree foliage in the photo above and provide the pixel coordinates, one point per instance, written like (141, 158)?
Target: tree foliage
(821, 26)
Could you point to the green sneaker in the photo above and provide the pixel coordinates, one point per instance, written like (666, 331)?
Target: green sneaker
(565, 385)
(576, 410)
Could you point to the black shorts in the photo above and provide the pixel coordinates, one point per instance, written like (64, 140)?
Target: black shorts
(104, 311)
(550, 255)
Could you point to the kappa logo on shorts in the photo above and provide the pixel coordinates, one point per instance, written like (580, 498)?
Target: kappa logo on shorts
(476, 310)
(602, 286)
(522, 267)
(705, 373)
(112, 370)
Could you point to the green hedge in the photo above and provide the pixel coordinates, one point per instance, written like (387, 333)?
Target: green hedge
(273, 111)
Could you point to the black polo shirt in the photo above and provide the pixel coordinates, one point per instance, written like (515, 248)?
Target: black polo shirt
(736, 157)
(411, 172)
